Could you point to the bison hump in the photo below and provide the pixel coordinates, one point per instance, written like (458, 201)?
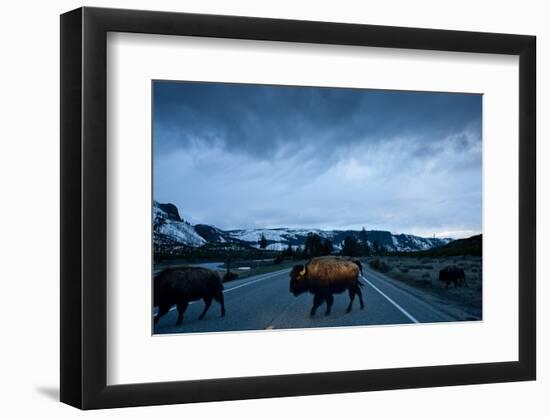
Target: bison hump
(331, 269)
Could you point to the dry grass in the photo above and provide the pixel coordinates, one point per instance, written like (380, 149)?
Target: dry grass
(423, 273)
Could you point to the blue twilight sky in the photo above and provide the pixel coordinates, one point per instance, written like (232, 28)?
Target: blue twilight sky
(244, 156)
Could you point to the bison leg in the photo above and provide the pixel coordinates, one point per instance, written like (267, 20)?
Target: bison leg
(360, 296)
(329, 298)
(207, 302)
(317, 301)
(163, 309)
(181, 309)
(351, 292)
(219, 298)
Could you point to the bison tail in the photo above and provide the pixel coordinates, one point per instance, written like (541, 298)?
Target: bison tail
(358, 263)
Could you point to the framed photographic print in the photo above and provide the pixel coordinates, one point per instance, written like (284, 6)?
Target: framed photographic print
(354, 202)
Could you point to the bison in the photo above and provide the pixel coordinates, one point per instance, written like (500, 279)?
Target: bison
(182, 285)
(325, 276)
(453, 274)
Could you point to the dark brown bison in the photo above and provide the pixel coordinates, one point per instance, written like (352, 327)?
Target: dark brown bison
(325, 276)
(453, 274)
(182, 285)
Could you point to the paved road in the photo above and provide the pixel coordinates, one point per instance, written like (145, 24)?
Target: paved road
(265, 302)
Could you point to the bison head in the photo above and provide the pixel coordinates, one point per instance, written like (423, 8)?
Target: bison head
(298, 281)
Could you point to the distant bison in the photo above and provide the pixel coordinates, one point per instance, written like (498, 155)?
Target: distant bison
(325, 276)
(182, 285)
(453, 274)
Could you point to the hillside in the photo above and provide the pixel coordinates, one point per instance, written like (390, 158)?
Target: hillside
(460, 247)
(169, 229)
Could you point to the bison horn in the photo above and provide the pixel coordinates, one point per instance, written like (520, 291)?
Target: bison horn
(303, 271)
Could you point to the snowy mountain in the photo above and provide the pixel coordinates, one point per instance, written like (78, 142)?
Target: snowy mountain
(282, 235)
(170, 229)
(279, 239)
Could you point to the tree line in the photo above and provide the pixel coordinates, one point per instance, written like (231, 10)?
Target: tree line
(317, 246)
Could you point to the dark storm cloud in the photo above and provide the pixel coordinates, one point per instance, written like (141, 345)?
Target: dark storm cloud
(273, 146)
(259, 119)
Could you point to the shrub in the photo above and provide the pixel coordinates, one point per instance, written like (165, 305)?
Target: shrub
(425, 282)
(379, 265)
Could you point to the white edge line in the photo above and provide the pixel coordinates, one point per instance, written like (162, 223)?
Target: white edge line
(401, 309)
(271, 274)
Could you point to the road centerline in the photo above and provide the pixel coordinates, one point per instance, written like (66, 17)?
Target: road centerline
(271, 275)
(401, 309)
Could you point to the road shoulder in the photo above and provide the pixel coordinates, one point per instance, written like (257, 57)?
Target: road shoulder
(454, 311)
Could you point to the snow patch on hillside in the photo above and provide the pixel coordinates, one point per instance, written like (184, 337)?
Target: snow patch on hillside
(276, 235)
(178, 232)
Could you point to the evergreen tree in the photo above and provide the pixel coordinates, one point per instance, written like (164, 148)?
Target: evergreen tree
(363, 239)
(228, 264)
(263, 242)
(289, 252)
(327, 247)
(313, 246)
(363, 236)
(350, 246)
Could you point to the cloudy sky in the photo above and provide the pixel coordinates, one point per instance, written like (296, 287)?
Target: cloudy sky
(244, 156)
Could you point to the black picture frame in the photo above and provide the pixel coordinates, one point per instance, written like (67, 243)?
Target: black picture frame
(84, 207)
